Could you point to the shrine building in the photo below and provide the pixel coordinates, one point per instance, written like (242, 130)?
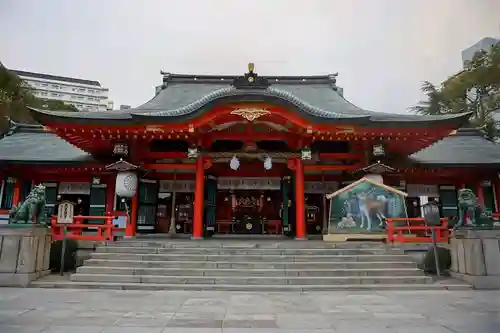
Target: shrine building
(242, 154)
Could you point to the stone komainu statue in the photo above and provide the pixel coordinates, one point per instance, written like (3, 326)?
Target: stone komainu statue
(470, 209)
(32, 210)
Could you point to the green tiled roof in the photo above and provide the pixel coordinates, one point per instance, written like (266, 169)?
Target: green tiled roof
(468, 147)
(316, 98)
(31, 144)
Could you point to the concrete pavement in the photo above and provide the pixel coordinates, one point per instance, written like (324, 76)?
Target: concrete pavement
(110, 311)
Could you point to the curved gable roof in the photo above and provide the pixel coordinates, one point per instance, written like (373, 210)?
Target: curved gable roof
(316, 98)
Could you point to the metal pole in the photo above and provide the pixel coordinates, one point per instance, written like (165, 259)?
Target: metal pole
(325, 213)
(436, 258)
(171, 228)
(63, 250)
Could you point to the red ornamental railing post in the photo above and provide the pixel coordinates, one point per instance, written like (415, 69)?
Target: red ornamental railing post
(390, 232)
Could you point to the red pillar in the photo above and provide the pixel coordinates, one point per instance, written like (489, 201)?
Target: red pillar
(480, 194)
(199, 196)
(131, 228)
(300, 220)
(16, 196)
(496, 188)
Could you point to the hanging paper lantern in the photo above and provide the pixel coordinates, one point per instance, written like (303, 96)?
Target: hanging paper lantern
(306, 154)
(193, 153)
(235, 163)
(268, 163)
(126, 184)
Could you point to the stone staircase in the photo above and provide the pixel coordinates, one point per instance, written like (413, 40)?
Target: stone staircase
(247, 265)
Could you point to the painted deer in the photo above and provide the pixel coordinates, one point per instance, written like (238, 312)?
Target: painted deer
(368, 207)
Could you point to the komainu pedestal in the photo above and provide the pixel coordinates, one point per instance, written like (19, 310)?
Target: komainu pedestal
(24, 254)
(475, 256)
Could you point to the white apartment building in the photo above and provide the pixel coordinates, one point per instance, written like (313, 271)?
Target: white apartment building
(484, 44)
(85, 95)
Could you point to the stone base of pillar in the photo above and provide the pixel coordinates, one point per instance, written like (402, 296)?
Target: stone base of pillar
(24, 254)
(475, 257)
(300, 238)
(197, 238)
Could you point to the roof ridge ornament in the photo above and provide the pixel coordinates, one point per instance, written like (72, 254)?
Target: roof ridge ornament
(251, 80)
(251, 113)
(333, 80)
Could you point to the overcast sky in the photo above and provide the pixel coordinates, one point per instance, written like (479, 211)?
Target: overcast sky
(382, 49)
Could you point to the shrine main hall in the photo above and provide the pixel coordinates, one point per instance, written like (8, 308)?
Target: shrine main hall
(244, 154)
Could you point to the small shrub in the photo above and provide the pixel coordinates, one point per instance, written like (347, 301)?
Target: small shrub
(69, 258)
(428, 263)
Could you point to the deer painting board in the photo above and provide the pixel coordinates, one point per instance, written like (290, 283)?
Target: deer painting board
(363, 206)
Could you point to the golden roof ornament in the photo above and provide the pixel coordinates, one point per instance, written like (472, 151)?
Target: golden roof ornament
(250, 114)
(251, 80)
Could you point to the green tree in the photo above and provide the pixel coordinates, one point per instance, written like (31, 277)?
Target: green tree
(475, 89)
(434, 103)
(16, 95)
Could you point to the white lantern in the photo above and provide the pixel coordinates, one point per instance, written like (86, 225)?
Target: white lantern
(268, 163)
(234, 164)
(126, 184)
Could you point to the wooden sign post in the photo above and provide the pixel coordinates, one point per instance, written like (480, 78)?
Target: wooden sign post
(65, 214)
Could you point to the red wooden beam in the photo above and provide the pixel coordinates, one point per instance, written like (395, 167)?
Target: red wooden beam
(163, 155)
(318, 167)
(160, 166)
(341, 156)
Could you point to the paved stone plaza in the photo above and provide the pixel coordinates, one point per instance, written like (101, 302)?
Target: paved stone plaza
(79, 311)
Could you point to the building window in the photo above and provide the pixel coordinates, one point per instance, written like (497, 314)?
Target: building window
(7, 194)
(44, 84)
(54, 94)
(80, 97)
(51, 198)
(81, 90)
(43, 94)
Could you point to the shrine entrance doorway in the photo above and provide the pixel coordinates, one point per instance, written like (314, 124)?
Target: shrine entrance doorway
(249, 212)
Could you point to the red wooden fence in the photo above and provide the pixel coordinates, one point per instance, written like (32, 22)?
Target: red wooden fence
(75, 230)
(414, 230)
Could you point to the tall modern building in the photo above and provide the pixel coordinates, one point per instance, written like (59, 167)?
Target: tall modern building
(484, 44)
(85, 95)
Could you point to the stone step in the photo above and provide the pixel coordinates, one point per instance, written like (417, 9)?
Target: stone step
(241, 251)
(256, 280)
(249, 265)
(285, 244)
(247, 272)
(246, 288)
(248, 257)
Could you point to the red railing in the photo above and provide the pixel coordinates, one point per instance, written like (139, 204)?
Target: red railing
(414, 230)
(75, 230)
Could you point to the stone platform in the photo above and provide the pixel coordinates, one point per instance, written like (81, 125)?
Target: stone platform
(24, 254)
(476, 257)
(118, 311)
